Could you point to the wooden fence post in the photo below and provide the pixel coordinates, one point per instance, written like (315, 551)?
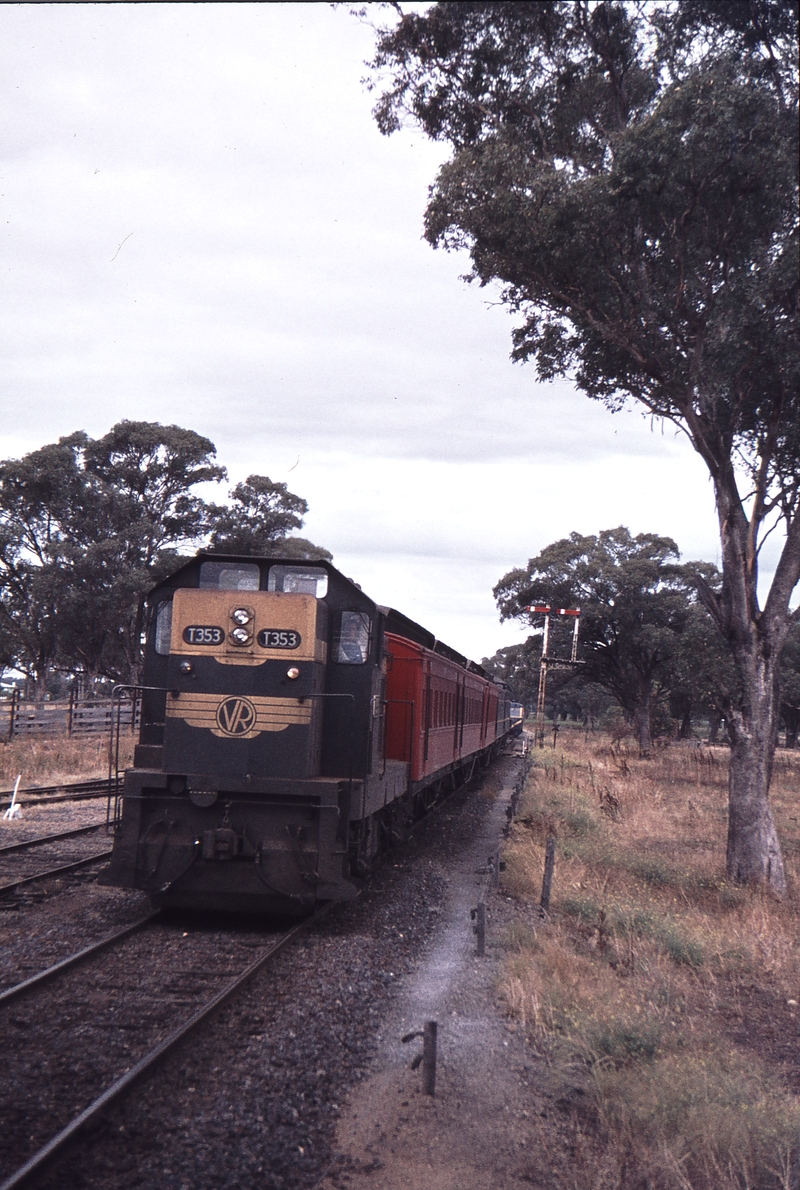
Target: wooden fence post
(13, 712)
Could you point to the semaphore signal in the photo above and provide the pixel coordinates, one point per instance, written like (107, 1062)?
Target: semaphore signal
(553, 611)
(557, 662)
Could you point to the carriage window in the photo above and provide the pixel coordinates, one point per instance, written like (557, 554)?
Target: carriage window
(230, 576)
(163, 633)
(299, 580)
(351, 642)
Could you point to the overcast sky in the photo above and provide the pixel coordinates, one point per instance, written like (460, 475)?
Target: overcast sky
(203, 226)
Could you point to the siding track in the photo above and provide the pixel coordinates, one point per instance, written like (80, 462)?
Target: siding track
(79, 830)
(40, 795)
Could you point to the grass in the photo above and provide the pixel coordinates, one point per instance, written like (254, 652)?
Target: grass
(660, 994)
(46, 760)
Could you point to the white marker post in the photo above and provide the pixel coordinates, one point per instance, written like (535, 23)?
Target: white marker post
(14, 811)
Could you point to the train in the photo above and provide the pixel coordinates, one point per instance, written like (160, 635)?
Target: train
(290, 729)
(517, 712)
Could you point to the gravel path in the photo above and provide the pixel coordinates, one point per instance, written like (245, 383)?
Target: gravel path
(482, 1129)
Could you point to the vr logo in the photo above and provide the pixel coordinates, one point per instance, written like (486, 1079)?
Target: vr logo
(236, 716)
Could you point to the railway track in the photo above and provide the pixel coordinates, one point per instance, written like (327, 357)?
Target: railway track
(43, 856)
(41, 795)
(251, 1098)
(73, 1084)
(78, 830)
(80, 956)
(61, 870)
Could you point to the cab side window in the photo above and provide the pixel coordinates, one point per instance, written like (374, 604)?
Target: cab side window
(163, 632)
(351, 639)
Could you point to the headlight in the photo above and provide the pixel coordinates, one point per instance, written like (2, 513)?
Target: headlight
(240, 636)
(241, 615)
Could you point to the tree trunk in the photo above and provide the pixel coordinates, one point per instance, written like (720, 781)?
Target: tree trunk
(641, 722)
(685, 730)
(714, 724)
(756, 639)
(754, 851)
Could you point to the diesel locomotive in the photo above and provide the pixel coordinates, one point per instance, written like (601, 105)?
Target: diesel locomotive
(290, 728)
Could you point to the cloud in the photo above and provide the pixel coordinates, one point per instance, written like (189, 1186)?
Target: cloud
(202, 226)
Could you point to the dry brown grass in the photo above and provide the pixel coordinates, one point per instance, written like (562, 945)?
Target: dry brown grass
(46, 760)
(655, 986)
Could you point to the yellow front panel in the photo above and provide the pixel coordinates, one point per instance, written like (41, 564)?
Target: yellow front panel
(271, 610)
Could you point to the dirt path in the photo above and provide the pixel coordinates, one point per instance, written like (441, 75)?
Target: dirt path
(483, 1128)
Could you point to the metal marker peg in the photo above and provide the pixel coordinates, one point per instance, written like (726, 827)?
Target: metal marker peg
(478, 915)
(427, 1059)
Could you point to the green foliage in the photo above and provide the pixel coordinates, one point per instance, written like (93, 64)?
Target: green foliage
(261, 514)
(702, 677)
(627, 174)
(148, 471)
(633, 598)
(622, 1040)
(709, 1118)
(87, 526)
(518, 667)
(659, 928)
(578, 823)
(790, 693)
(582, 908)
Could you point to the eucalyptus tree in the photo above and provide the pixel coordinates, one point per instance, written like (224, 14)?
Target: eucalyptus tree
(517, 666)
(45, 505)
(259, 519)
(702, 677)
(632, 597)
(87, 526)
(627, 174)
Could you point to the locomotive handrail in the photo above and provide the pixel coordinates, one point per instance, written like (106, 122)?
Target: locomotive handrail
(113, 743)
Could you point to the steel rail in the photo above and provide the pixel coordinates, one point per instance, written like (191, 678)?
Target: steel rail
(66, 797)
(54, 1146)
(74, 959)
(79, 863)
(80, 830)
(96, 787)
